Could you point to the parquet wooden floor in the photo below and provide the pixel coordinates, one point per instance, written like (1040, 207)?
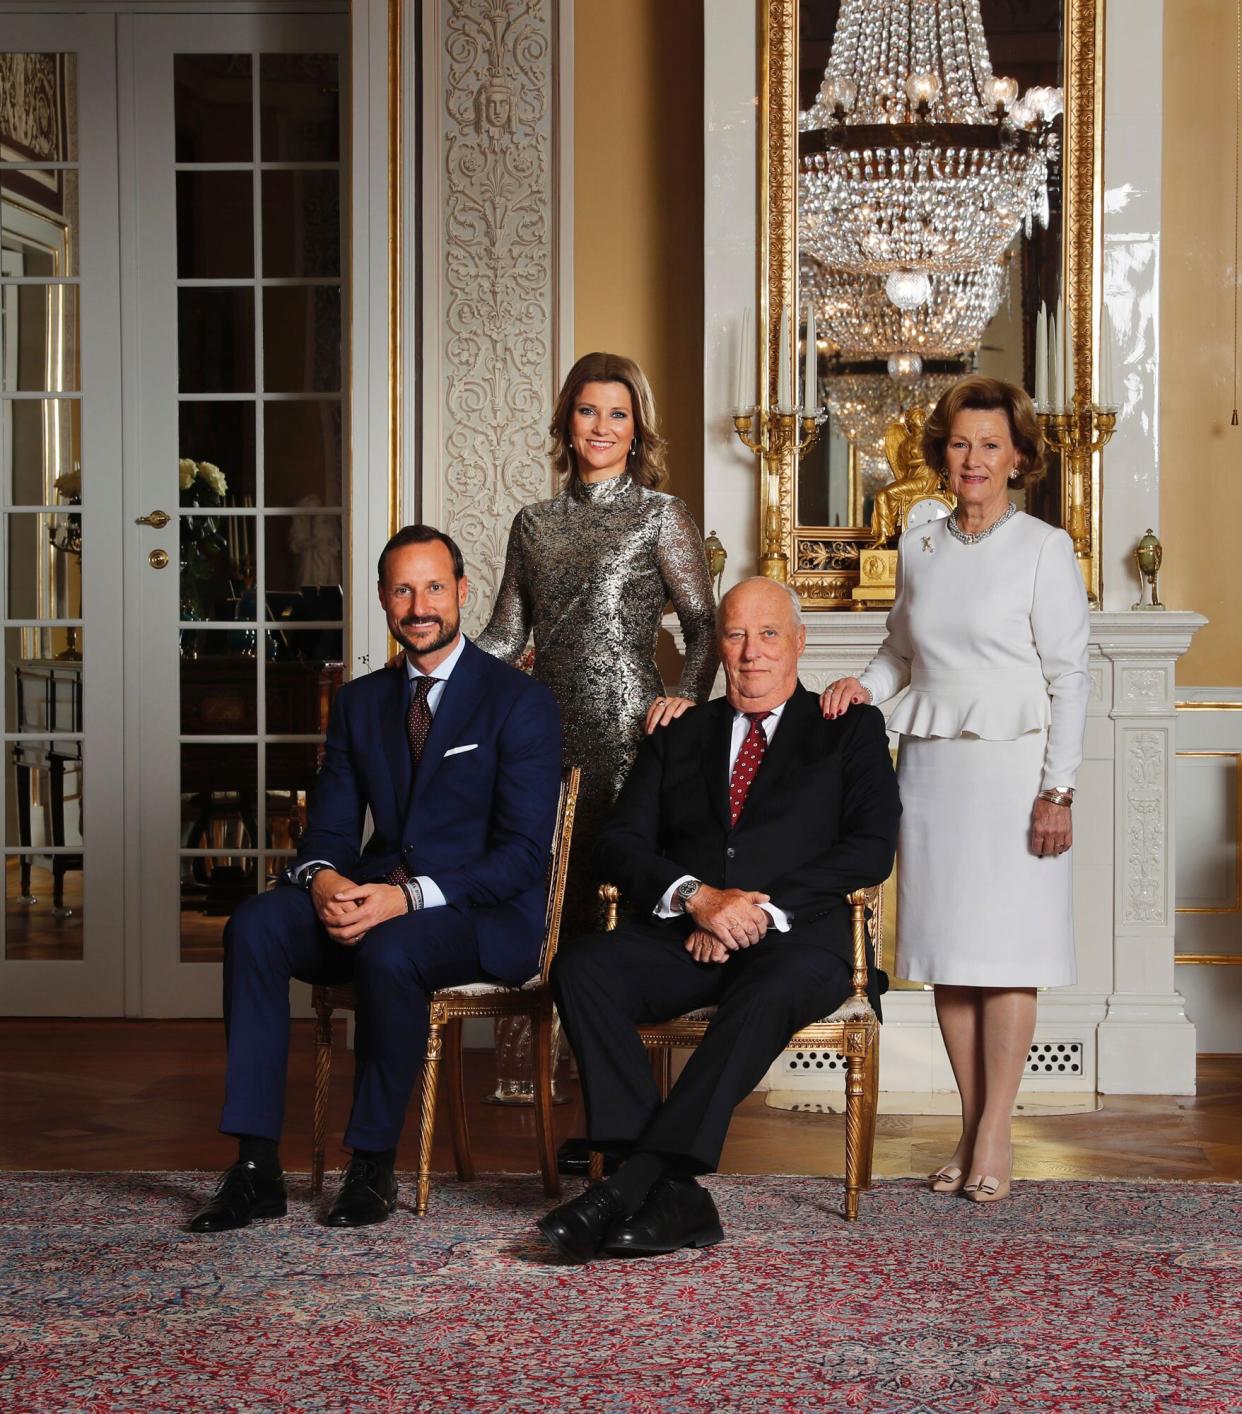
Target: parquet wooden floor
(146, 1095)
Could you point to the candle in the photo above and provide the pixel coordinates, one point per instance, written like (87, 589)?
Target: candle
(744, 398)
(1068, 379)
(784, 377)
(810, 403)
(1057, 351)
(1041, 357)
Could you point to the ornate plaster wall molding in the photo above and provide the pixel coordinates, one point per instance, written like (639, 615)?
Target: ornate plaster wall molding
(494, 308)
(1146, 806)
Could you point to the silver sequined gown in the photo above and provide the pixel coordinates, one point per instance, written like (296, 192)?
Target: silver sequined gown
(590, 572)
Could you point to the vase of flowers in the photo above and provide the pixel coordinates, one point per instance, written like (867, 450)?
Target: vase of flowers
(204, 551)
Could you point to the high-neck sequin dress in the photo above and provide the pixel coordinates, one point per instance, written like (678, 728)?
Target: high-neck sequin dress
(589, 573)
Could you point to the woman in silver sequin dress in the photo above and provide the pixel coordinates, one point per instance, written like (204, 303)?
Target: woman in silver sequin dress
(589, 573)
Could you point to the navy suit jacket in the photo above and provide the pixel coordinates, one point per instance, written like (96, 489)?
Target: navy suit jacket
(478, 822)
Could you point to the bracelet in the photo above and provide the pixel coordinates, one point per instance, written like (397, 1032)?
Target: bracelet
(1058, 795)
(413, 896)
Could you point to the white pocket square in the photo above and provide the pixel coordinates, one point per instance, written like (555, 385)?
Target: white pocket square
(457, 750)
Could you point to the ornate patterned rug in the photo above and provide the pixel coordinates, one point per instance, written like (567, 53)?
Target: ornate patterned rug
(1068, 1297)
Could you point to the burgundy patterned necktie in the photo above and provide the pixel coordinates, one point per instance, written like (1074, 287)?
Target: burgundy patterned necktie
(747, 763)
(417, 727)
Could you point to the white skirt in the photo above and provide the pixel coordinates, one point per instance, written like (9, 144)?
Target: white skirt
(975, 908)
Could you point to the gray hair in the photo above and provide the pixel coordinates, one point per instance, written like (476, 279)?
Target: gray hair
(794, 600)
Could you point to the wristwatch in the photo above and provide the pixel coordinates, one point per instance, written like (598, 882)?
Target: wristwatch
(309, 873)
(686, 890)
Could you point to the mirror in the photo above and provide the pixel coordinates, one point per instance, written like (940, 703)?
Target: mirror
(875, 360)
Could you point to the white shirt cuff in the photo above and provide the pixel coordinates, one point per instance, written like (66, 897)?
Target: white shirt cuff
(432, 897)
(665, 909)
(777, 915)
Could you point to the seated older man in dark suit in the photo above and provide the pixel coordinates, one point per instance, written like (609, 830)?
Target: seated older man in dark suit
(735, 840)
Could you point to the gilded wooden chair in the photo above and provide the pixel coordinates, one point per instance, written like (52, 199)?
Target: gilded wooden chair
(448, 1008)
(853, 1030)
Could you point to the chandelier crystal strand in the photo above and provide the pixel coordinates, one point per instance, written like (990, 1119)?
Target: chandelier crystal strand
(864, 404)
(854, 313)
(885, 185)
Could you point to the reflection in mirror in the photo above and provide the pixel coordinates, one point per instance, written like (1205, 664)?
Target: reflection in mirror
(43, 126)
(39, 338)
(303, 559)
(41, 450)
(302, 339)
(899, 314)
(221, 435)
(211, 887)
(43, 680)
(299, 96)
(213, 100)
(302, 452)
(301, 224)
(44, 565)
(219, 682)
(36, 927)
(304, 670)
(215, 339)
(39, 231)
(215, 225)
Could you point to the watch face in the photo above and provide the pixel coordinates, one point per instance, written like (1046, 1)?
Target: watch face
(924, 511)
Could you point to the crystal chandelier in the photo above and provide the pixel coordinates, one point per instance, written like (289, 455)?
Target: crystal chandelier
(915, 159)
(854, 312)
(864, 404)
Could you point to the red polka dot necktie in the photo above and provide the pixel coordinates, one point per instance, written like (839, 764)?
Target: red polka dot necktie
(417, 728)
(747, 763)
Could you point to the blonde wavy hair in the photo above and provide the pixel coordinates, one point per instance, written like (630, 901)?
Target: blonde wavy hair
(646, 462)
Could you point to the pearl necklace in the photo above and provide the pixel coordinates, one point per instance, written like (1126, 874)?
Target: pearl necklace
(958, 533)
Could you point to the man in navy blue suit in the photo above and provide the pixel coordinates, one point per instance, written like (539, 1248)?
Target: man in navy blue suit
(457, 757)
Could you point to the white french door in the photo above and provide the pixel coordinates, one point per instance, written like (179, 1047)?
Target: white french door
(60, 543)
(237, 355)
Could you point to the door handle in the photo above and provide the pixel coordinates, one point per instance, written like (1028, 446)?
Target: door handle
(158, 559)
(157, 519)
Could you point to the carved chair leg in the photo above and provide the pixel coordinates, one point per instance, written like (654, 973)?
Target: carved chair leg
(457, 1101)
(661, 1059)
(323, 1073)
(854, 1125)
(544, 1061)
(871, 1100)
(427, 1111)
(595, 1166)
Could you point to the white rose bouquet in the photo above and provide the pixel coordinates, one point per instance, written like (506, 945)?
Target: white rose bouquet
(204, 552)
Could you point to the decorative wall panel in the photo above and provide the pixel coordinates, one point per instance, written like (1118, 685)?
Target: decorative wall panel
(492, 270)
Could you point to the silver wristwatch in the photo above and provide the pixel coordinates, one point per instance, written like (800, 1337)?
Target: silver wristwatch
(686, 890)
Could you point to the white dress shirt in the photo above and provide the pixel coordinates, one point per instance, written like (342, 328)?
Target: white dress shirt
(741, 726)
(428, 893)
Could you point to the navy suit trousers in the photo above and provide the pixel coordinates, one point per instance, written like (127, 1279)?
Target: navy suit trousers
(275, 937)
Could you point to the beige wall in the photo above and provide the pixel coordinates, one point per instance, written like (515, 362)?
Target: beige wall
(638, 199)
(1200, 453)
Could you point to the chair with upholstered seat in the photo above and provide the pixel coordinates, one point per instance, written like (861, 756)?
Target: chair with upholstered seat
(448, 1008)
(853, 1030)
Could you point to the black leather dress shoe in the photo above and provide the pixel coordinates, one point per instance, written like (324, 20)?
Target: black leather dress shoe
(246, 1192)
(578, 1229)
(677, 1213)
(368, 1194)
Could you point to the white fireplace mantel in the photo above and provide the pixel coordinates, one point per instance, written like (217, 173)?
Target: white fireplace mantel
(1124, 1021)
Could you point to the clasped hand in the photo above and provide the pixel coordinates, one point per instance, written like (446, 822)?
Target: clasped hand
(349, 911)
(727, 920)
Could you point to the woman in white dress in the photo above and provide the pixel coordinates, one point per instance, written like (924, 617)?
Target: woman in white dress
(989, 631)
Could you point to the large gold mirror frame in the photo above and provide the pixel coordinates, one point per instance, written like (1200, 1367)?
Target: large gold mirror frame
(823, 566)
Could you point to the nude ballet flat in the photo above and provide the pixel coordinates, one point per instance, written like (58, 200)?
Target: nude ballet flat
(988, 1189)
(948, 1179)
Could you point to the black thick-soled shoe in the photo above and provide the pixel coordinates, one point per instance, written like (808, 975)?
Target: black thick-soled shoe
(368, 1195)
(246, 1192)
(678, 1213)
(578, 1229)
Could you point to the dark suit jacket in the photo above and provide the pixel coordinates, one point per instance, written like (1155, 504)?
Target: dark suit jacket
(478, 822)
(820, 819)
